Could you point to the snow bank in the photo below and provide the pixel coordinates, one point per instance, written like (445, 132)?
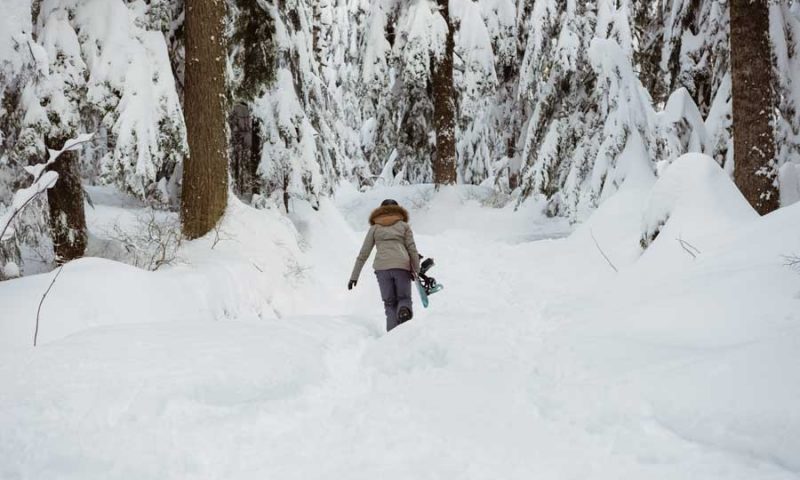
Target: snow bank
(245, 270)
(536, 359)
(694, 198)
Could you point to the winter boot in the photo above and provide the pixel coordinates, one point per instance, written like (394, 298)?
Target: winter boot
(404, 314)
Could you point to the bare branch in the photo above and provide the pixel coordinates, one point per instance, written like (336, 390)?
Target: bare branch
(220, 234)
(152, 244)
(688, 247)
(602, 252)
(41, 302)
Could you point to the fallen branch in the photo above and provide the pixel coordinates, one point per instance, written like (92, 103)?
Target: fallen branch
(602, 252)
(220, 235)
(41, 302)
(688, 247)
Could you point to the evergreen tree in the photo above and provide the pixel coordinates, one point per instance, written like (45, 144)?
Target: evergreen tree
(63, 92)
(754, 139)
(444, 108)
(785, 35)
(65, 201)
(252, 64)
(205, 172)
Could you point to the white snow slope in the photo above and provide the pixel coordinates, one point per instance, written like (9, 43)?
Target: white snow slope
(536, 361)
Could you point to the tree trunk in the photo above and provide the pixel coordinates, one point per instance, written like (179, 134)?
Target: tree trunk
(65, 200)
(513, 164)
(444, 108)
(244, 141)
(753, 135)
(205, 171)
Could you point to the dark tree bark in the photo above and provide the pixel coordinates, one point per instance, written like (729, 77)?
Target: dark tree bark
(513, 169)
(245, 151)
(648, 31)
(65, 200)
(205, 171)
(444, 108)
(753, 132)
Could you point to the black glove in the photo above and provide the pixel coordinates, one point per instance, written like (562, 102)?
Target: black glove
(351, 284)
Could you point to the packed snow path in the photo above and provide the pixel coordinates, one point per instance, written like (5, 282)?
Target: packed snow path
(528, 365)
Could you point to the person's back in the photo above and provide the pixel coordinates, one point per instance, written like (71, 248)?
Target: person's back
(391, 232)
(395, 262)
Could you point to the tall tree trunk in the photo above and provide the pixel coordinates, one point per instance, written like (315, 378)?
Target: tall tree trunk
(65, 199)
(753, 131)
(444, 108)
(205, 171)
(245, 151)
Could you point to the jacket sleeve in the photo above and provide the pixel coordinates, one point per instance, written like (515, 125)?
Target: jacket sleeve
(363, 255)
(411, 247)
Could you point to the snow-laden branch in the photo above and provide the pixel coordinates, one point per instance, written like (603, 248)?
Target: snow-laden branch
(42, 181)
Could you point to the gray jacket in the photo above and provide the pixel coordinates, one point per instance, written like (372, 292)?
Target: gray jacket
(392, 236)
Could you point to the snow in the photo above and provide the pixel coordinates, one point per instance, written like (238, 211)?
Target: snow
(655, 339)
(42, 181)
(695, 197)
(536, 360)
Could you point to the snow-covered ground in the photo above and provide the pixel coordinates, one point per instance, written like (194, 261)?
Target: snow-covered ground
(252, 360)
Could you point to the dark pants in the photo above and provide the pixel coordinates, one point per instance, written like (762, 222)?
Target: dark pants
(395, 285)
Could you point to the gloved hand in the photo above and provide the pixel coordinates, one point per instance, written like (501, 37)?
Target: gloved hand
(351, 284)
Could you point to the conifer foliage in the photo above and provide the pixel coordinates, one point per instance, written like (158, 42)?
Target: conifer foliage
(558, 100)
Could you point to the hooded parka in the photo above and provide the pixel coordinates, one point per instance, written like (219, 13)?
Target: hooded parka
(391, 235)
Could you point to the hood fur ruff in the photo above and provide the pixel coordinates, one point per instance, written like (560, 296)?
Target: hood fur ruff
(388, 215)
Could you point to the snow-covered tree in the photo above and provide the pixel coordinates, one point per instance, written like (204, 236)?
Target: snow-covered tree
(476, 84)
(695, 48)
(131, 98)
(785, 35)
(283, 71)
(421, 34)
(17, 68)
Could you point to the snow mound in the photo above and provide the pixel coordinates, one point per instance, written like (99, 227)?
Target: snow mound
(693, 199)
(247, 269)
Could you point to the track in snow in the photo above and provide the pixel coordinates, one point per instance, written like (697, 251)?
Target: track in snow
(483, 385)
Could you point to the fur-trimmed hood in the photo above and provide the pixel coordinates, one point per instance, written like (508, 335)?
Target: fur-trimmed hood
(388, 215)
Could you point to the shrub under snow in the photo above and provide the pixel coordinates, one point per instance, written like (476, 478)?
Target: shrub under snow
(693, 198)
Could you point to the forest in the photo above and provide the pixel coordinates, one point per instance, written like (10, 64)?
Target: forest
(531, 98)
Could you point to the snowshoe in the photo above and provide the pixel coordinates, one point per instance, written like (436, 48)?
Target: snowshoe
(427, 285)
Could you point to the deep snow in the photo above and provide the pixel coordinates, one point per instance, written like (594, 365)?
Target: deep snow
(537, 361)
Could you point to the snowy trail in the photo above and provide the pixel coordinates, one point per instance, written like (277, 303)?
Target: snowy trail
(503, 377)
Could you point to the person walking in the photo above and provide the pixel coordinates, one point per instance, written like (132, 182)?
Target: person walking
(396, 261)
